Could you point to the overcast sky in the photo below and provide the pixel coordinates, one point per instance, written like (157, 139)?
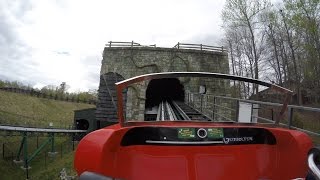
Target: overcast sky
(46, 42)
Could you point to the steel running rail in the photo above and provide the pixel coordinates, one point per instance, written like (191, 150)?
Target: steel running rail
(180, 111)
(159, 113)
(171, 114)
(45, 130)
(165, 112)
(162, 112)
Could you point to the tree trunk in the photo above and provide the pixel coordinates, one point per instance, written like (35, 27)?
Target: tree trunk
(297, 76)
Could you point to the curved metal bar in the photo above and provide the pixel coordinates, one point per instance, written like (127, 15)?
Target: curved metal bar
(151, 76)
(125, 83)
(44, 130)
(312, 166)
(184, 142)
(87, 175)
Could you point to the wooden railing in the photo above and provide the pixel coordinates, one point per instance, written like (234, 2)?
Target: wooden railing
(127, 44)
(200, 47)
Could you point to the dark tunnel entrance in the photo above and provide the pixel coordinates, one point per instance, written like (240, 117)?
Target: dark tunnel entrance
(168, 89)
(158, 90)
(82, 124)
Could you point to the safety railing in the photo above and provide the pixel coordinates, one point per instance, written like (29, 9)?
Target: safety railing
(200, 47)
(221, 108)
(212, 107)
(127, 44)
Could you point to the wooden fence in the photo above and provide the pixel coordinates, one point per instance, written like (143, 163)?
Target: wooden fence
(200, 47)
(127, 44)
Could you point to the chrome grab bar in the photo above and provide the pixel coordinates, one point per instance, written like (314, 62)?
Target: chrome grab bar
(312, 165)
(185, 142)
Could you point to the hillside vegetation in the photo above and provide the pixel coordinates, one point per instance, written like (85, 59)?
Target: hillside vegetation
(25, 110)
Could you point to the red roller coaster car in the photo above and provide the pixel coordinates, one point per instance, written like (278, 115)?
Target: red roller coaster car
(181, 150)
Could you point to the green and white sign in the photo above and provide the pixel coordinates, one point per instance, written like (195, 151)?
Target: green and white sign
(186, 133)
(215, 133)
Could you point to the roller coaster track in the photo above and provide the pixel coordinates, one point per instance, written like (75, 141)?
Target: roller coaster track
(27, 131)
(42, 130)
(175, 110)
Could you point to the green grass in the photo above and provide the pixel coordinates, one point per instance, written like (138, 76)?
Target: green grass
(43, 166)
(19, 109)
(24, 110)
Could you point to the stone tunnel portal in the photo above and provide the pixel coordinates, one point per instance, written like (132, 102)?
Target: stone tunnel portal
(168, 89)
(158, 90)
(82, 124)
(133, 59)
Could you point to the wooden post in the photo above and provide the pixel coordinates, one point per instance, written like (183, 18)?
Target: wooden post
(45, 160)
(2, 150)
(61, 150)
(52, 143)
(72, 142)
(214, 107)
(237, 110)
(290, 111)
(201, 103)
(27, 169)
(25, 150)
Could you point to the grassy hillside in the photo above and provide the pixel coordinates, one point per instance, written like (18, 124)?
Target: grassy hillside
(19, 109)
(24, 110)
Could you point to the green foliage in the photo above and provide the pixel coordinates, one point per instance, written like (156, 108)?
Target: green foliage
(20, 109)
(42, 166)
(297, 121)
(13, 84)
(54, 92)
(2, 83)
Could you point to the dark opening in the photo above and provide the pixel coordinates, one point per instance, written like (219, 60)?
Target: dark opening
(82, 124)
(168, 89)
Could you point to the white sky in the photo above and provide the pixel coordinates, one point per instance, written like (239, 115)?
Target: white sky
(46, 42)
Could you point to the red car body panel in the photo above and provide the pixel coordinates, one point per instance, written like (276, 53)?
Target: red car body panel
(101, 152)
(104, 153)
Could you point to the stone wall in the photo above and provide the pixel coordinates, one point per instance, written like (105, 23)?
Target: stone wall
(128, 62)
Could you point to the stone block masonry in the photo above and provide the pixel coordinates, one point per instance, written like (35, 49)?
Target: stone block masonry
(125, 62)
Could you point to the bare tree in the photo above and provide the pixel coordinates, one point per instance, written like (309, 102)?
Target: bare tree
(243, 17)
